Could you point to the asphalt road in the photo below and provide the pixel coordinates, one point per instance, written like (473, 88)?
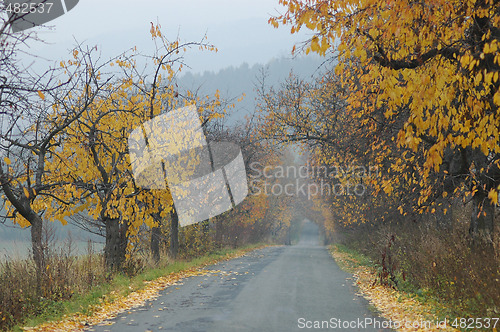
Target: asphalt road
(289, 288)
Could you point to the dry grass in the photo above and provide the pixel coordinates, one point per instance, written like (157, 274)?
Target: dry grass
(404, 312)
(81, 284)
(436, 262)
(128, 293)
(64, 277)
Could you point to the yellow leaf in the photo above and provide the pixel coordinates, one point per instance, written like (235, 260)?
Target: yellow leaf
(496, 98)
(315, 44)
(6, 160)
(42, 96)
(26, 192)
(493, 195)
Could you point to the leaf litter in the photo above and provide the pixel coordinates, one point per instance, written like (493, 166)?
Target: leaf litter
(391, 304)
(103, 313)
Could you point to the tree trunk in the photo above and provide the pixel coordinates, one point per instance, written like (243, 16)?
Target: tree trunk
(218, 232)
(37, 248)
(174, 233)
(36, 241)
(116, 243)
(23, 206)
(288, 239)
(482, 220)
(155, 243)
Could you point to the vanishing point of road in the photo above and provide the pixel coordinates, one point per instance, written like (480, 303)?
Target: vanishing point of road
(286, 288)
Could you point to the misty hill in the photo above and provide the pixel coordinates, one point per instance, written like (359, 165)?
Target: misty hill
(232, 82)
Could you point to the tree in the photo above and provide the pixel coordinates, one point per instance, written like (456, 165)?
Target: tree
(432, 66)
(96, 157)
(31, 132)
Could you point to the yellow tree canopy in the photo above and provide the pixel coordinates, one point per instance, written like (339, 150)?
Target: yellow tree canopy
(433, 65)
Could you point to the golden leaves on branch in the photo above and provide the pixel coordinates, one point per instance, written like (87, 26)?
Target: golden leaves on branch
(418, 62)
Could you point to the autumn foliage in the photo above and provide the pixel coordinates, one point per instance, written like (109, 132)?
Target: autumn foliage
(72, 163)
(429, 71)
(414, 94)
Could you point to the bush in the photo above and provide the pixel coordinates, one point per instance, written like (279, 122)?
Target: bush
(64, 277)
(422, 258)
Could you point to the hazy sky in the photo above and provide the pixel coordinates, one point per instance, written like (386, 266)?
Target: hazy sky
(238, 28)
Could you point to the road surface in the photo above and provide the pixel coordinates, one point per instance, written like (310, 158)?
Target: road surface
(288, 288)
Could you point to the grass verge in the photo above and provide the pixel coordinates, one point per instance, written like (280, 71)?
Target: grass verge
(122, 293)
(406, 311)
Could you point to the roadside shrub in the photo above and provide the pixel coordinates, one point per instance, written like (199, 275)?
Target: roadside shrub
(65, 276)
(425, 258)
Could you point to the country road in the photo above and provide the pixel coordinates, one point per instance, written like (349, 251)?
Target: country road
(288, 288)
